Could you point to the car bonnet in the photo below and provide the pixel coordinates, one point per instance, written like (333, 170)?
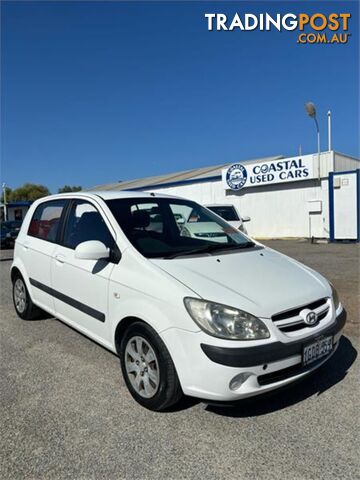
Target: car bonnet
(259, 281)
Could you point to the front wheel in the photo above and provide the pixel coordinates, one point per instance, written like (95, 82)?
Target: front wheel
(148, 369)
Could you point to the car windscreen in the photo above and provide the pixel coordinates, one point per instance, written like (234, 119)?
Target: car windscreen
(228, 213)
(161, 227)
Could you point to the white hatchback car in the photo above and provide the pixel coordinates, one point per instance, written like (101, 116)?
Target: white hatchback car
(215, 320)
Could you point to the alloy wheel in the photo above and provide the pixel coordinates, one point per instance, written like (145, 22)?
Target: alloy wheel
(142, 367)
(20, 295)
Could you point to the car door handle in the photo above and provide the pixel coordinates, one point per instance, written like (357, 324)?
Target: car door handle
(60, 258)
(26, 246)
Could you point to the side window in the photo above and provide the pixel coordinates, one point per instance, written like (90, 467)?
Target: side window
(85, 223)
(46, 219)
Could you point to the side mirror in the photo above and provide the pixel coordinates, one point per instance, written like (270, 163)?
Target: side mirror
(92, 250)
(245, 218)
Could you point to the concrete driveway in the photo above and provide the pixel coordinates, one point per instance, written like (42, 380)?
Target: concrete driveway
(66, 413)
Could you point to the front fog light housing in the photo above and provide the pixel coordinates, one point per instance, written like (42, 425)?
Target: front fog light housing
(238, 380)
(335, 297)
(225, 322)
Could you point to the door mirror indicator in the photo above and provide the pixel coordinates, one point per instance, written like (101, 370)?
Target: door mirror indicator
(92, 250)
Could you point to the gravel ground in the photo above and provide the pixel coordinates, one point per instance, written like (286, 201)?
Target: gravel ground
(66, 413)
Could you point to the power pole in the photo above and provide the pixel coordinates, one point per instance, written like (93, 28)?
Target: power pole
(329, 130)
(4, 195)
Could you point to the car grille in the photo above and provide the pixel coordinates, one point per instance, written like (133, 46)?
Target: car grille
(291, 321)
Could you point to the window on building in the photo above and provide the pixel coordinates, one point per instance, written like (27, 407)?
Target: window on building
(18, 214)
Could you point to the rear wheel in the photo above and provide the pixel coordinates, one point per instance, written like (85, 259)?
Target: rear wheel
(22, 302)
(148, 369)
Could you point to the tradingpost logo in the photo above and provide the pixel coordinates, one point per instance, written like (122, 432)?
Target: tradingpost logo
(332, 28)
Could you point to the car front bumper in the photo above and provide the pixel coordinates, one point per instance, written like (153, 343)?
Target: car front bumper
(206, 371)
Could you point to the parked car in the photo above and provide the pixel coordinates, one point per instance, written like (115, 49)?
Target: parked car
(13, 227)
(5, 236)
(231, 215)
(194, 224)
(206, 230)
(218, 320)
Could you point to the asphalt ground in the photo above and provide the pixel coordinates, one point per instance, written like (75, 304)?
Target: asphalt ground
(66, 413)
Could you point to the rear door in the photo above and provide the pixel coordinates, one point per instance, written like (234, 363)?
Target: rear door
(38, 247)
(80, 287)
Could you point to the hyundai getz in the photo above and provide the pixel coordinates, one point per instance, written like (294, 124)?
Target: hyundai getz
(214, 315)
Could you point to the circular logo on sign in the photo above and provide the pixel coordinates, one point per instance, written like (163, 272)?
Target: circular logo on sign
(311, 318)
(236, 176)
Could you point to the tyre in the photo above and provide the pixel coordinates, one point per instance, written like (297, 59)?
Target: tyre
(148, 369)
(22, 302)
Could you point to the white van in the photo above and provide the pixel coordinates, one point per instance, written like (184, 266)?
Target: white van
(218, 320)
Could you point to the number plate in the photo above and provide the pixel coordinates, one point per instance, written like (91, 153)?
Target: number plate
(316, 350)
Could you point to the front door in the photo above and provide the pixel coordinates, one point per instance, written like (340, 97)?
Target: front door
(80, 287)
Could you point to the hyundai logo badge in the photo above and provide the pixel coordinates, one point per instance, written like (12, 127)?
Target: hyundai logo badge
(311, 318)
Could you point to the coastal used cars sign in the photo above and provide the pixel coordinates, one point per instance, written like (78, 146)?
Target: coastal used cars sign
(294, 169)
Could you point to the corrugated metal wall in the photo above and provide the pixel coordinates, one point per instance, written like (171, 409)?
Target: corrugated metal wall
(344, 163)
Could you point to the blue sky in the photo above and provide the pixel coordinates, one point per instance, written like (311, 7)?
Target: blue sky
(99, 92)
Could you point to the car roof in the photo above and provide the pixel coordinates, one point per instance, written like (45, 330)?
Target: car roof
(109, 195)
(114, 194)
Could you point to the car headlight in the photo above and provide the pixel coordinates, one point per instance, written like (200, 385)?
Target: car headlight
(225, 322)
(335, 297)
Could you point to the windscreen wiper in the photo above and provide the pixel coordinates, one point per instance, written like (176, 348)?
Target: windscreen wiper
(211, 248)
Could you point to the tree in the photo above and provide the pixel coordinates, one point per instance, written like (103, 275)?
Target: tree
(28, 192)
(68, 188)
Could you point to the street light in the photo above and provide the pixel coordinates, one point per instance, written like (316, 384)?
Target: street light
(311, 111)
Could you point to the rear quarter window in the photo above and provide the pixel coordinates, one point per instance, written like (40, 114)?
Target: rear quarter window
(46, 219)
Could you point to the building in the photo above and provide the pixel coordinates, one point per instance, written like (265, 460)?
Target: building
(304, 196)
(14, 210)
